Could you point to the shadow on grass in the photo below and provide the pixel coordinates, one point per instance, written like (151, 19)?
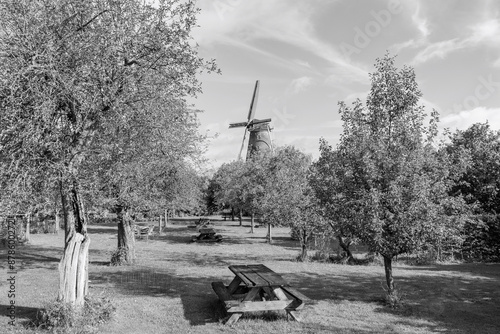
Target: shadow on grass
(102, 230)
(455, 304)
(200, 304)
(23, 315)
(32, 257)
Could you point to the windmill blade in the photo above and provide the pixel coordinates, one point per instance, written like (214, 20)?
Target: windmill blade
(242, 144)
(259, 121)
(253, 104)
(238, 125)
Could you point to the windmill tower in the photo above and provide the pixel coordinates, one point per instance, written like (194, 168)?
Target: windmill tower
(260, 129)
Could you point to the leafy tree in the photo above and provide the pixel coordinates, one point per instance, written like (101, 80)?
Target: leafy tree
(392, 189)
(140, 165)
(479, 184)
(69, 69)
(227, 188)
(332, 186)
(253, 183)
(288, 199)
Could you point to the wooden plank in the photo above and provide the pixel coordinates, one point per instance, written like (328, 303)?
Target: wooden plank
(294, 293)
(294, 315)
(260, 306)
(280, 294)
(251, 272)
(252, 294)
(236, 270)
(235, 283)
(267, 274)
(221, 291)
(233, 318)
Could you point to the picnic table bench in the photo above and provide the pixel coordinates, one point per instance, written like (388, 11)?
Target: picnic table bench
(258, 288)
(207, 235)
(143, 231)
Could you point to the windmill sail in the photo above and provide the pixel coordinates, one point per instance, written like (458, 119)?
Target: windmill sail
(259, 128)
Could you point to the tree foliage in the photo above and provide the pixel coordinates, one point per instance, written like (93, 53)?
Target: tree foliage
(288, 199)
(479, 147)
(70, 70)
(388, 186)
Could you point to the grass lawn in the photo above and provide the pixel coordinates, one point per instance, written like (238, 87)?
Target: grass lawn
(169, 290)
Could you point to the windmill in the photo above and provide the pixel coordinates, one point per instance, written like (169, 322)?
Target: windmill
(260, 130)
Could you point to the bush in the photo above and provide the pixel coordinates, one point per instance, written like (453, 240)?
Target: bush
(62, 317)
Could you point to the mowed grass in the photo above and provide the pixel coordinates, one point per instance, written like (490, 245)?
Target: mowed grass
(169, 289)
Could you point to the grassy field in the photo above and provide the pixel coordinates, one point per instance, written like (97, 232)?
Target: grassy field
(169, 290)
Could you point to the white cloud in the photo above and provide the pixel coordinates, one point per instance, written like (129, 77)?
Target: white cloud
(242, 23)
(483, 33)
(421, 24)
(466, 118)
(438, 50)
(300, 84)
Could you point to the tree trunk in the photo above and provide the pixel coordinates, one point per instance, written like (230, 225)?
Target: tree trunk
(68, 225)
(252, 222)
(303, 244)
(73, 268)
(57, 223)
(240, 217)
(388, 274)
(56, 214)
(126, 239)
(345, 247)
(232, 214)
(28, 227)
(269, 233)
(166, 217)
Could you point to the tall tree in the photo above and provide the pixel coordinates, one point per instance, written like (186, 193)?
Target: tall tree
(479, 145)
(70, 68)
(393, 188)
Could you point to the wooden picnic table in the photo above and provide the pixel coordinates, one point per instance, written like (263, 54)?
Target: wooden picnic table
(258, 288)
(207, 235)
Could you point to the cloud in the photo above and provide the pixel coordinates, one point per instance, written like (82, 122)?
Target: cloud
(485, 33)
(244, 24)
(421, 24)
(466, 118)
(300, 84)
(437, 50)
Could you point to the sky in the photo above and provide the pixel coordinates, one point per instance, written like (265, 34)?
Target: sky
(309, 55)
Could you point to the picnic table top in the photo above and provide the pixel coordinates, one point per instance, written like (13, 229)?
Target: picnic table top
(207, 231)
(258, 275)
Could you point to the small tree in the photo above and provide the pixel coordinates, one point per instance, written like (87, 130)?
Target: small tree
(332, 184)
(393, 188)
(288, 199)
